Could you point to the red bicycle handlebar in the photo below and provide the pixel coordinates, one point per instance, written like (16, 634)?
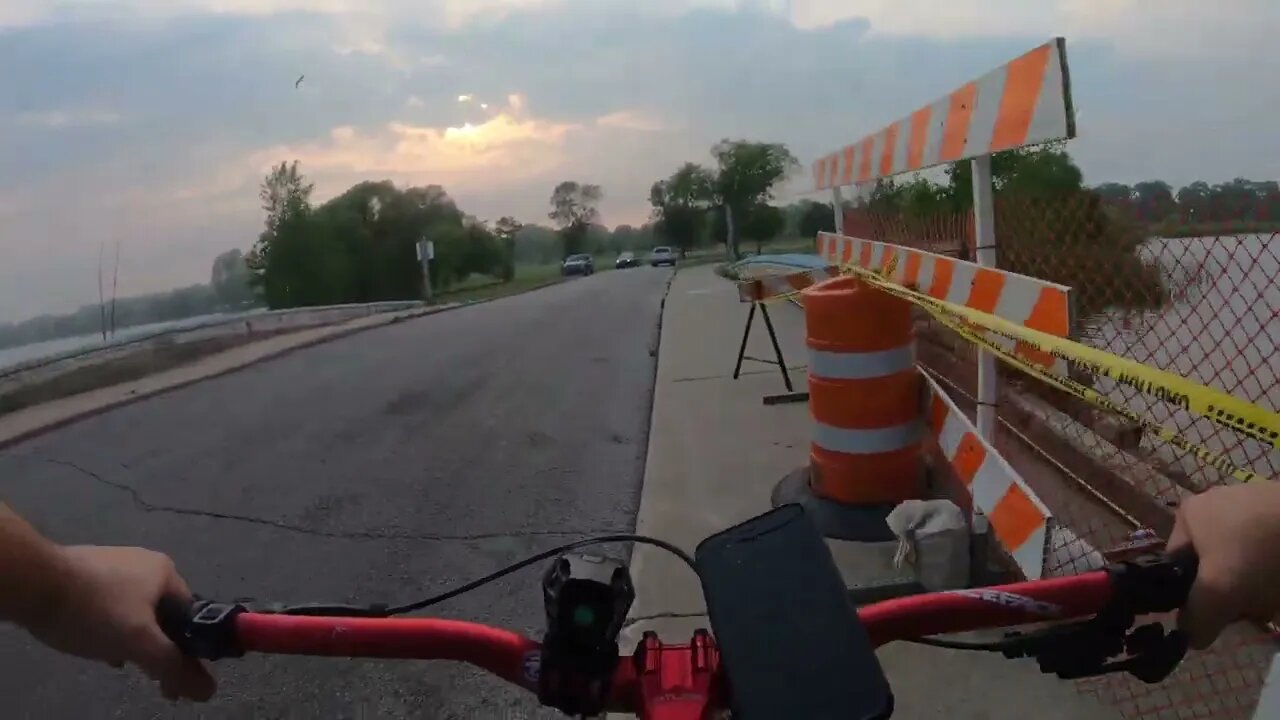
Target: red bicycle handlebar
(1000, 606)
(516, 658)
(507, 654)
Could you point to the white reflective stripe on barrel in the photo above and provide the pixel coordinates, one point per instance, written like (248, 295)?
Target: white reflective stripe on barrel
(866, 442)
(860, 366)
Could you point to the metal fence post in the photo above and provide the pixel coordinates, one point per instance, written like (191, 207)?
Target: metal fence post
(837, 206)
(426, 253)
(984, 218)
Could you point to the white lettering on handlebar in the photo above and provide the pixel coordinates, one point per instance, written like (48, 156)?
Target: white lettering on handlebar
(1013, 600)
(532, 664)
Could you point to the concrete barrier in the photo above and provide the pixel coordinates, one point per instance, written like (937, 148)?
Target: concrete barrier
(46, 378)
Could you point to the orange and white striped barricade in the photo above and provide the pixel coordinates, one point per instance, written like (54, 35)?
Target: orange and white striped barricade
(770, 287)
(982, 481)
(1026, 101)
(1030, 302)
(865, 398)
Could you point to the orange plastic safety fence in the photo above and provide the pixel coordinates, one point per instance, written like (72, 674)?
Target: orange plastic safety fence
(1202, 302)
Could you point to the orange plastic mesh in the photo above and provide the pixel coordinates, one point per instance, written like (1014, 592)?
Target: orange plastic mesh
(1205, 306)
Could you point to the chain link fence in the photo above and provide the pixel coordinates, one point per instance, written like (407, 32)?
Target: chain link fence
(1203, 305)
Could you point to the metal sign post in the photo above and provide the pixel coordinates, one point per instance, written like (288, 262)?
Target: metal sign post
(426, 252)
(984, 218)
(837, 206)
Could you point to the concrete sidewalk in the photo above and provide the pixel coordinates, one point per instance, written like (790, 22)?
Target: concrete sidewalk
(715, 453)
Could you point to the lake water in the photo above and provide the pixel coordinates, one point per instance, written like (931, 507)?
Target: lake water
(50, 348)
(1221, 329)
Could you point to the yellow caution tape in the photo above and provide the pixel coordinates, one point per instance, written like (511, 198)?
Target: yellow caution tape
(1088, 394)
(1223, 409)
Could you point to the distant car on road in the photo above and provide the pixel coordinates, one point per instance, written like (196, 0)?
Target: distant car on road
(662, 256)
(578, 265)
(626, 260)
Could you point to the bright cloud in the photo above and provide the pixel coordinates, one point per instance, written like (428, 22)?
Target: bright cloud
(631, 120)
(163, 115)
(504, 149)
(56, 119)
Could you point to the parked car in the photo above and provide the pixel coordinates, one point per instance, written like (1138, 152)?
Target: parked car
(662, 256)
(578, 265)
(626, 260)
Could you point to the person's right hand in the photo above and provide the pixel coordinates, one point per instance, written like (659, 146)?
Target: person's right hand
(1235, 531)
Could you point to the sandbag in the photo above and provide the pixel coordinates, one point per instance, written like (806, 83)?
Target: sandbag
(933, 539)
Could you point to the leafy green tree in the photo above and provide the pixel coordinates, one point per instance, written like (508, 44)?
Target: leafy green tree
(746, 175)
(922, 199)
(762, 223)
(506, 230)
(680, 203)
(1117, 193)
(1194, 201)
(886, 196)
(574, 210)
(230, 279)
(818, 217)
(1044, 171)
(286, 199)
(361, 245)
(1154, 200)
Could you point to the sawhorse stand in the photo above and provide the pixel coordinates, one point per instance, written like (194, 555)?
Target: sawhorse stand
(791, 395)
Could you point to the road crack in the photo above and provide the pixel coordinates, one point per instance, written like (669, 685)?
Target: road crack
(149, 507)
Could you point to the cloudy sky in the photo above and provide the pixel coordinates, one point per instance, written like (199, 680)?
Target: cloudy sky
(151, 121)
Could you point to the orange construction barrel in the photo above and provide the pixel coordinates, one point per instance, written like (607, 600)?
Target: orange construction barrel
(864, 395)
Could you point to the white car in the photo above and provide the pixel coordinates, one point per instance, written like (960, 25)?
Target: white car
(662, 256)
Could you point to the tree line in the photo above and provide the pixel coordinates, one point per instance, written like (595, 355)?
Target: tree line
(362, 246)
(1047, 173)
(228, 290)
(92, 319)
(1198, 206)
(727, 203)
(1048, 224)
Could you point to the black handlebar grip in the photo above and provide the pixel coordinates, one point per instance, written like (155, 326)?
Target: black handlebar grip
(173, 614)
(1186, 563)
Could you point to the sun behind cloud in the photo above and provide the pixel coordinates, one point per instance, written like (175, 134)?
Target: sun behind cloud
(508, 147)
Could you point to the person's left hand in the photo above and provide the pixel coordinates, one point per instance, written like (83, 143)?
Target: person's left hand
(107, 612)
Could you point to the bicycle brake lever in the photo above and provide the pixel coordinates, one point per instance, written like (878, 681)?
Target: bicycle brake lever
(1085, 649)
(201, 628)
(1150, 654)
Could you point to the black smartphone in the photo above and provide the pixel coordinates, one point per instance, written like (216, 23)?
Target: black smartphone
(791, 645)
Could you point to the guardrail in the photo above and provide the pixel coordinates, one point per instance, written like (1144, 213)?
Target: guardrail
(48, 369)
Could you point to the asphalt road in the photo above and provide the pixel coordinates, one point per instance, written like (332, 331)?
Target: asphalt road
(385, 466)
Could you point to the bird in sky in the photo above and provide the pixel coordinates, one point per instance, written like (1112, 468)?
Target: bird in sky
(299, 82)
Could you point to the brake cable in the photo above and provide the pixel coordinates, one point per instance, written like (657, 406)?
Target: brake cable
(379, 610)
